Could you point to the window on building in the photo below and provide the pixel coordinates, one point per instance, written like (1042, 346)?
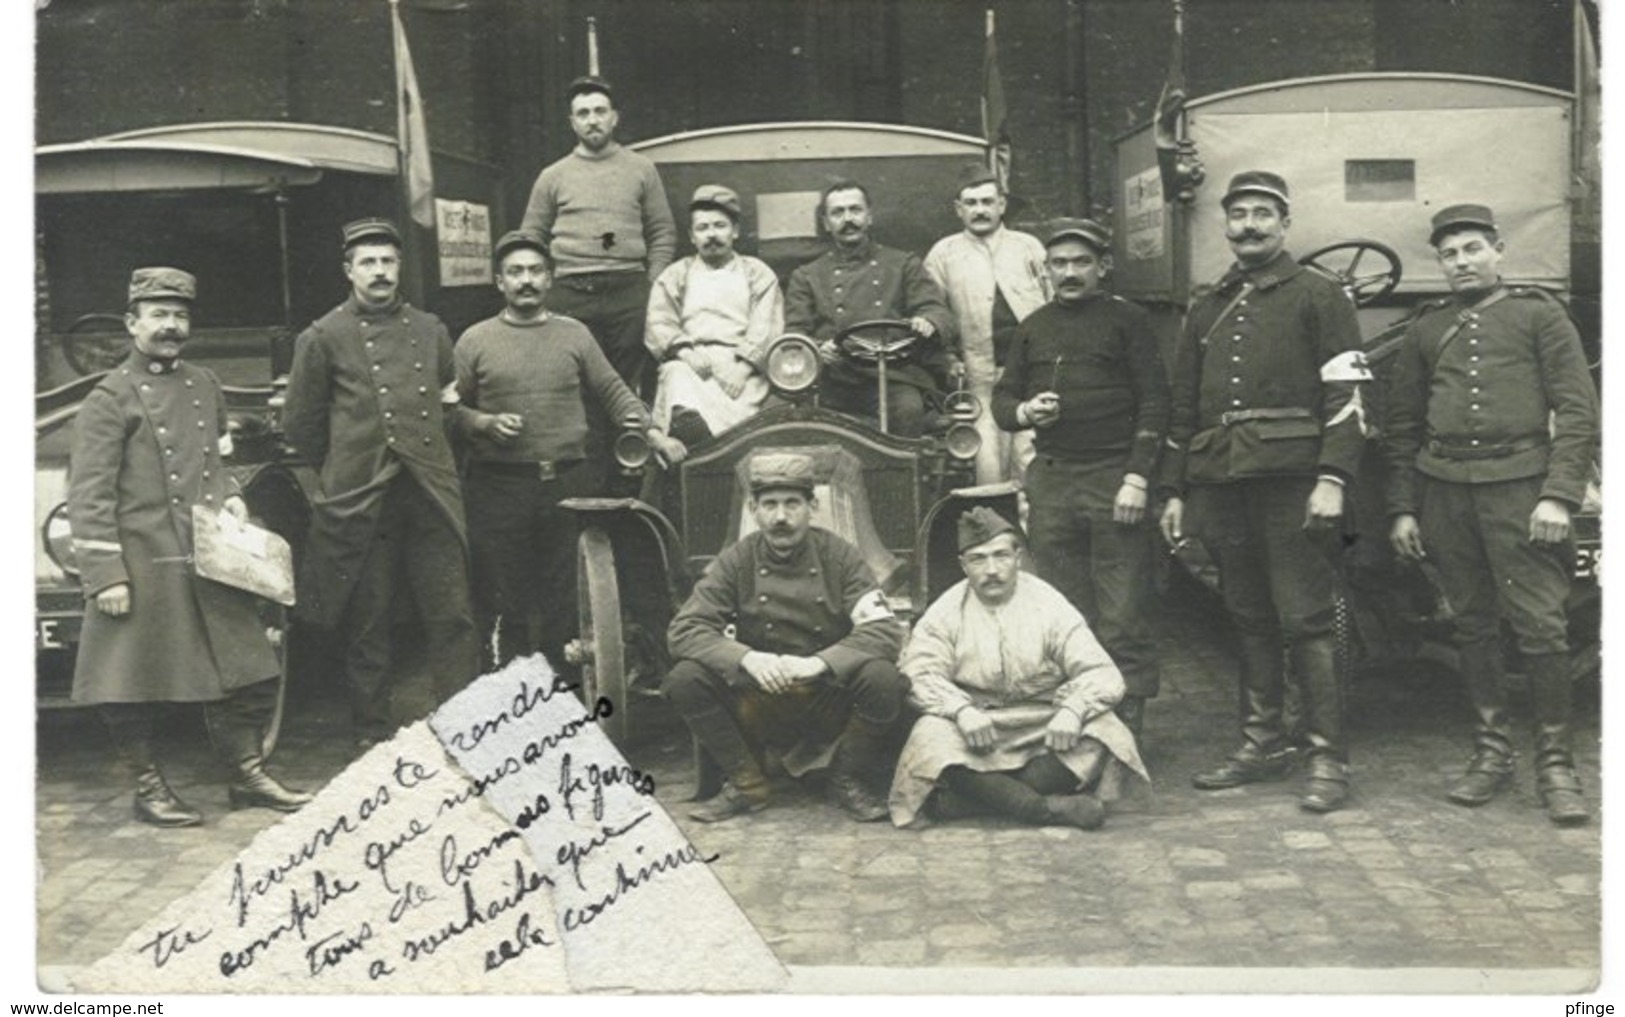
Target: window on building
(1379, 180)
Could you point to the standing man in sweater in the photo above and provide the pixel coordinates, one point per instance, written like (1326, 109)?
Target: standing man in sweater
(1085, 371)
(522, 377)
(603, 213)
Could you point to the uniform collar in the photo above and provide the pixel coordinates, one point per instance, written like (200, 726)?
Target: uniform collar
(356, 308)
(863, 252)
(144, 364)
(1266, 276)
(1473, 297)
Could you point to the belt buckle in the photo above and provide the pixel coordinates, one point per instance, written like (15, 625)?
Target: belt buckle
(546, 470)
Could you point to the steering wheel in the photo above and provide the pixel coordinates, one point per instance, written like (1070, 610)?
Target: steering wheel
(1362, 289)
(891, 340)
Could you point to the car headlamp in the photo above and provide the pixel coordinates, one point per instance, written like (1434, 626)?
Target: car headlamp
(962, 440)
(963, 407)
(58, 540)
(792, 364)
(632, 451)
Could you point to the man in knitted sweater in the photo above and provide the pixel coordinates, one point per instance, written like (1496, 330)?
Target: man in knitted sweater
(524, 377)
(603, 213)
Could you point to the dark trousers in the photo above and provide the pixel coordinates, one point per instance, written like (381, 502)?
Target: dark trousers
(524, 551)
(613, 306)
(1478, 536)
(133, 725)
(875, 692)
(416, 554)
(1102, 567)
(851, 391)
(1280, 586)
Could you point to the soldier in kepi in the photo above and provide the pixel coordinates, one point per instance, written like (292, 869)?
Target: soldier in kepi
(1491, 434)
(788, 642)
(149, 445)
(371, 388)
(1265, 432)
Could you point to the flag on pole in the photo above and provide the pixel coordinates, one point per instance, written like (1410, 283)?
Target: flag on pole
(1170, 107)
(1587, 159)
(411, 131)
(994, 128)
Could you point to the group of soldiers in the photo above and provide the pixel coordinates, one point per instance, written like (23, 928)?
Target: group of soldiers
(1021, 693)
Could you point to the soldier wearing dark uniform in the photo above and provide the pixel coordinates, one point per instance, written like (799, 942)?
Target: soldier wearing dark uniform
(859, 280)
(1266, 431)
(1085, 371)
(1491, 433)
(788, 637)
(372, 384)
(149, 445)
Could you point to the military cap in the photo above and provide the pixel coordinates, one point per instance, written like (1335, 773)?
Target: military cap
(980, 525)
(974, 175)
(1256, 182)
(162, 284)
(1086, 230)
(588, 83)
(1471, 216)
(520, 238)
(373, 229)
(715, 196)
(781, 469)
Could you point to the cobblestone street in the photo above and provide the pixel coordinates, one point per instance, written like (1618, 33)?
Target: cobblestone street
(1178, 879)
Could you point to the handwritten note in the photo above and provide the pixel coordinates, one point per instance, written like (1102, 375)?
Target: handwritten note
(504, 845)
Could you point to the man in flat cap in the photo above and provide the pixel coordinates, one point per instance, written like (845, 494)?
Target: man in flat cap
(1491, 436)
(525, 379)
(711, 318)
(603, 212)
(368, 398)
(858, 280)
(1266, 432)
(1016, 696)
(1085, 371)
(993, 278)
(150, 443)
(788, 641)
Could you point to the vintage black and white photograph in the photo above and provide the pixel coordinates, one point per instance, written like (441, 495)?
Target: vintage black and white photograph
(816, 496)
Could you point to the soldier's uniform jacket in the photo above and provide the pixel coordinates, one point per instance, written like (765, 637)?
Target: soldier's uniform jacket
(1505, 397)
(369, 395)
(148, 443)
(1248, 394)
(839, 289)
(821, 600)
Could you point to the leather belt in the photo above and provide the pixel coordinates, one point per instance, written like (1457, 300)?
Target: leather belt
(541, 469)
(1460, 449)
(594, 282)
(1230, 418)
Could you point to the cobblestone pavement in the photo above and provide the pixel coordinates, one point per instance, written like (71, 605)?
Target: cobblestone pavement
(1178, 878)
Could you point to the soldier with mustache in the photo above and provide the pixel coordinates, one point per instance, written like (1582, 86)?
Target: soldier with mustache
(711, 318)
(523, 378)
(1491, 435)
(1265, 433)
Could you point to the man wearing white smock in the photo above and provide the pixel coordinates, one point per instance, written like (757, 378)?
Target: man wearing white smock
(711, 318)
(994, 278)
(1017, 695)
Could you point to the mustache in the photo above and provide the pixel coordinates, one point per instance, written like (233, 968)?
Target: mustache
(528, 289)
(1246, 234)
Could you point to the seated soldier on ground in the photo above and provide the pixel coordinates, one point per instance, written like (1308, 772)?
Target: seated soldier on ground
(787, 641)
(1017, 696)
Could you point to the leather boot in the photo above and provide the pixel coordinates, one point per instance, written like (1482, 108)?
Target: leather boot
(1555, 778)
(1321, 680)
(856, 763)
(1003, 794)
(236, 727)
(746, 788)
(1490, 770)
(1264, 753)
(1131, 711)
(130, 726)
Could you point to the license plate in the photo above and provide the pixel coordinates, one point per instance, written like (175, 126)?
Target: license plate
(57, 633)
(1587, 561)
